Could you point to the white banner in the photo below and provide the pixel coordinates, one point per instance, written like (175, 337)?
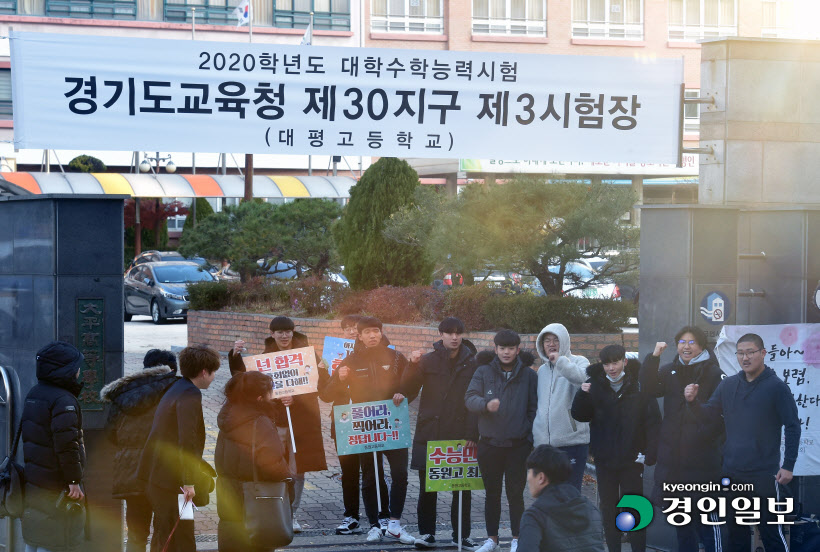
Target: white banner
(107, 93)
(793, 352)
(689, 167)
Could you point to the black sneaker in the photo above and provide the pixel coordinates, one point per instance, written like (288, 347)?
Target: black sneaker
(349, 526)
(466, 544)
(425, 541)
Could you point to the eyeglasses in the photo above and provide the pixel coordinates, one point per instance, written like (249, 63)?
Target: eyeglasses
(684, 342)
(747, 354)
(549, 341)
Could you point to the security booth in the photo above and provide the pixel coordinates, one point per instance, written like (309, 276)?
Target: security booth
(61, 260)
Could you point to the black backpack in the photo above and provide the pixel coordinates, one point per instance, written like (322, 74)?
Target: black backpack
(12, 481)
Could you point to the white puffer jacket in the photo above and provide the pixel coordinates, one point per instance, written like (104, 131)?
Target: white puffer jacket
(557, 385)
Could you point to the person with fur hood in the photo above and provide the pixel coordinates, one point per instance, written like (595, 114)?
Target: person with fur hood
(559, 378)
(624, 428)
(132, 401)
(304, 409)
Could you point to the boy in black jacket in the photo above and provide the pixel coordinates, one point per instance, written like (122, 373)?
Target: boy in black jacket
(504, 395)
(443, 377)
(560, 520)
(374, 374)
(624, 424)
(757, 409)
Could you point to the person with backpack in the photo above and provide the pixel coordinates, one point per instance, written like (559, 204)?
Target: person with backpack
(245, 420)
(54, 452)
(132, 401)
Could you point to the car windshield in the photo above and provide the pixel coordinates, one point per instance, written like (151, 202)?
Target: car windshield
(179, 274)
(578, 269)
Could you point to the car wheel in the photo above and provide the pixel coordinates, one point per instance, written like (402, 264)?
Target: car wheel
(155, 314)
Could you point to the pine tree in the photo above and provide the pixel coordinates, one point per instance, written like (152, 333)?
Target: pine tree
(370, 260)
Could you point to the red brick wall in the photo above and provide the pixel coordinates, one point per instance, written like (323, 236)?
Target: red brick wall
(221, 329)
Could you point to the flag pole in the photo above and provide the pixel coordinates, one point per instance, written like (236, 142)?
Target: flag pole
(250, 20)
(249, 156)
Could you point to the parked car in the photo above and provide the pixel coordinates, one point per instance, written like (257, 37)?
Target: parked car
(160, 289)
(153, 256)
(598, 290)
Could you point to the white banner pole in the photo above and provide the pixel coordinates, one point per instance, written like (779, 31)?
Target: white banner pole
(378, 490)
(459, 520)
(290, 427)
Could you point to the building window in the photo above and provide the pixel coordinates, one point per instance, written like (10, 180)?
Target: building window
(407, 16)
(695, 19)
(510, 17)
(213, 12)
(691, 113)
(779, 20)
(8, 7)
(5, 94)
(92, 9)
(328, 15)
(618, 19)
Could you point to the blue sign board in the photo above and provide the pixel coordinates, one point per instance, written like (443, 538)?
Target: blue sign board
(372, 427)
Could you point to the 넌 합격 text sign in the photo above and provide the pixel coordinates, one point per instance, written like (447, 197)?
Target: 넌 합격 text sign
(294, 372)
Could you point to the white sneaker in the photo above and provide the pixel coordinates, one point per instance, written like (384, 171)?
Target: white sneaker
(375, 534)
(349, 526)
(402, 536)
(296, 527)
(490, 546)
(514, 545)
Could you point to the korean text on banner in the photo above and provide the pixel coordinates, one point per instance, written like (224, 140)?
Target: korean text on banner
(371, 427)
(294, 372)
(72, 91)
(793, 352)
(452, 466)
(334, 350)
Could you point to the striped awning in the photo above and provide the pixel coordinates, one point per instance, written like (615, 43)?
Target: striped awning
(178, 185)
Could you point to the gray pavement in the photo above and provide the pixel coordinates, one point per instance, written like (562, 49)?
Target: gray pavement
(321, 508)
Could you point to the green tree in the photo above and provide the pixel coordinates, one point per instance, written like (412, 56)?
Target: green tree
(305, 238)
(86, 164)
(529, 226)
(241, 234)
(370, 260)
(203, 211)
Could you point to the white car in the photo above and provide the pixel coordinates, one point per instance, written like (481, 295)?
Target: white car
(598, 290)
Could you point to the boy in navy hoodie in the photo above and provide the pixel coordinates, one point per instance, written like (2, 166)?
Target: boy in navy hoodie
(756, 405)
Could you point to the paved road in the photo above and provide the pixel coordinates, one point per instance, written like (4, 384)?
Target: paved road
(321, 508)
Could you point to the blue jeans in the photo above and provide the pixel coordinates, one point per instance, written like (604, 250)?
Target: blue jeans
(578, 458)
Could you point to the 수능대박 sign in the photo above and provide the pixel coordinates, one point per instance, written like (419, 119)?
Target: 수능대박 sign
(371, 427)
(75, 91)
(793, 352)
(294, 372)
(452, 466)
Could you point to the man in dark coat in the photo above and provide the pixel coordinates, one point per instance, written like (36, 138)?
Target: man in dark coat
(304, 409)
(374, 374)
(561, 519)
(171, 463)
(53, 450)
(133, 400)
(686, 453)
(443, 377)
(623, 425)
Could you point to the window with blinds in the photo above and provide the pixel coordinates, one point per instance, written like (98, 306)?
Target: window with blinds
(92, 9)
(510, 17)
(5, 94)
(695, 19)
(328, 15)
(407, 16)
(616, 19)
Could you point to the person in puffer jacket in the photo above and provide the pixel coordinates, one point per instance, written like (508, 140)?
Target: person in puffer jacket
(132, 403)
(559, 378)
(54, 452)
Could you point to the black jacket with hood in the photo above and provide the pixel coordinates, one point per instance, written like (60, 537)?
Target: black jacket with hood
(53, 447)
(443, 382)
(305, 414)
(561, 520)
(235, 464)
(686, 453)
(511, 425)
(132, 402)
(621, 424)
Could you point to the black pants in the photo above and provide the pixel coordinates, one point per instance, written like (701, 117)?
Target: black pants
(427, 510)
(709, 535)
(166, 512)
(498, 464)
(349, 464)
(398, 488)
(613, 483)
(765, 487)
(138, 519)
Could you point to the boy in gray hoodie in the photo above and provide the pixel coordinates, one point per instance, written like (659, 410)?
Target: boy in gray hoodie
(559, 379)
(503, 395)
